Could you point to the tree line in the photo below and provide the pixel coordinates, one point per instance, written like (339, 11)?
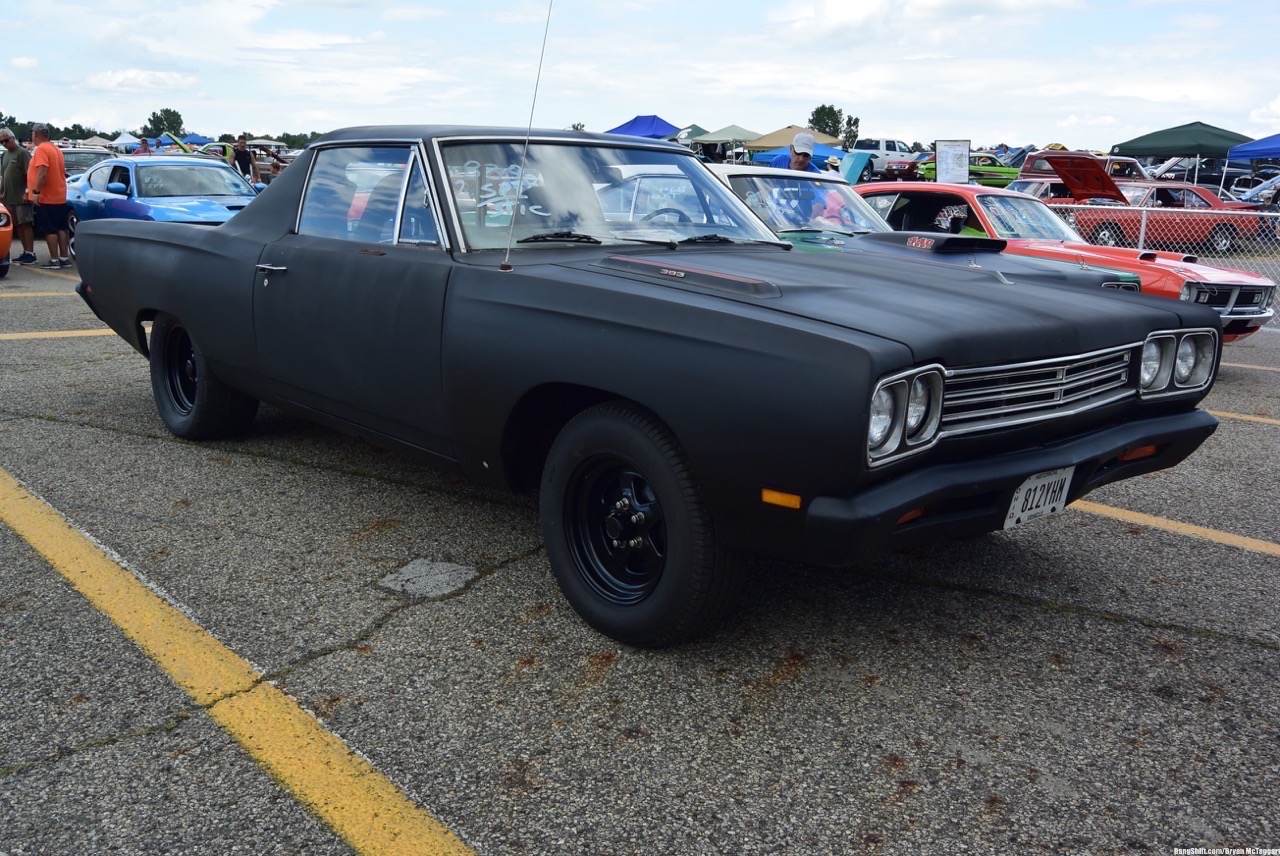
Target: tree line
(160, 122)
(830, 119)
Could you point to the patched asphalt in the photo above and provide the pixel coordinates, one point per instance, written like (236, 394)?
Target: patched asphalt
(1078, 685)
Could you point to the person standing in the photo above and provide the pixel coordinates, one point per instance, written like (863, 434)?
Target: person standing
(241, 159)
(47, 184)
(800, 155)
(144, 147)
(13, 175)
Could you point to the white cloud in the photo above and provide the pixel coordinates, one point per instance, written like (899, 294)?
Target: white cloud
(24, 63)
(139, 80)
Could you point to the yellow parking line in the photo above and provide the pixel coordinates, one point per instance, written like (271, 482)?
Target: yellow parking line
(72, 277)
(1244, 366)
(1265, 420)
(1253, 544)
(327, 776)
(54, 334)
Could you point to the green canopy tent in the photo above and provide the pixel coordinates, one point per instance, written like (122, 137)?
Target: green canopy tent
(1193, 139)
(730, 137)
(687, 133)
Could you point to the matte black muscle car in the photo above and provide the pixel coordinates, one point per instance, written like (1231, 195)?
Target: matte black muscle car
(677, 385)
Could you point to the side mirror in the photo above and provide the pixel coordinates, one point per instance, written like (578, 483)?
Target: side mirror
(259, 187)
(118, 187)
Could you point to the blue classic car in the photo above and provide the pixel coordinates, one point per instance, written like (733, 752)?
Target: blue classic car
(169, 188)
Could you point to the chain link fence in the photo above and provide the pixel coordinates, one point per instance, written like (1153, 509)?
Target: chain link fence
(1246, 240)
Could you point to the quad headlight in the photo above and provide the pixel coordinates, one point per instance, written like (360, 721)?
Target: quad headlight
(904, 414)
(1177, 361)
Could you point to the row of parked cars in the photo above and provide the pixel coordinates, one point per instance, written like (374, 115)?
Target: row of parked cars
(607, 323)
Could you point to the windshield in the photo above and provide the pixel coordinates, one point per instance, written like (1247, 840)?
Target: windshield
(584, 191)
(155, 180)
(1023, 217)
(791, 202)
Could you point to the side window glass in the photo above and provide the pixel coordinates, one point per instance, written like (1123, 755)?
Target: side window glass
(354, 193)
(98, 179)
(418, 223)
(120, 174)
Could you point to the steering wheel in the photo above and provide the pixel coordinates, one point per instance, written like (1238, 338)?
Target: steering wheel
(681, 217)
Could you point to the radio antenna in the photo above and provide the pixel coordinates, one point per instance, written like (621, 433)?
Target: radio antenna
(511, 226)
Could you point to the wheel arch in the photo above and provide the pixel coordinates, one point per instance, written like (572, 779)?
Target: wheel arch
(538, 417)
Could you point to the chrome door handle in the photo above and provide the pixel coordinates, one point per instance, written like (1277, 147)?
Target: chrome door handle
(271, 268)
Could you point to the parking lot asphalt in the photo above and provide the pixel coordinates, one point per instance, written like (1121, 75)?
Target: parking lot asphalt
(1106, 680)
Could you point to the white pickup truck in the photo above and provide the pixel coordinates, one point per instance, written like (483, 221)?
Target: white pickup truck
(882, 151)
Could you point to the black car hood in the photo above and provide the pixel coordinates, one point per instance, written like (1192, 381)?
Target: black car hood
(967, 316)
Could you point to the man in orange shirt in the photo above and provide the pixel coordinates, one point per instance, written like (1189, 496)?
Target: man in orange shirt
(47, 182)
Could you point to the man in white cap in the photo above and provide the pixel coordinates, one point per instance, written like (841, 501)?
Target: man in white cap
(801, 155)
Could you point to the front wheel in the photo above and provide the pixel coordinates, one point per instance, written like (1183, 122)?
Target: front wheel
(629, 540)
(192, 402)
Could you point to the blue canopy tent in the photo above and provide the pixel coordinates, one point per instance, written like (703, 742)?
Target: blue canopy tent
(820, 154)
(653, 127)
(196, 139)
(1267, 147)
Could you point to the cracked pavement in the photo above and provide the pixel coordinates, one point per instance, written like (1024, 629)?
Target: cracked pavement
(1081, 684)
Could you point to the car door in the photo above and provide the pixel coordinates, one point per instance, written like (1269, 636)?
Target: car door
(100, 202)
(348, 307)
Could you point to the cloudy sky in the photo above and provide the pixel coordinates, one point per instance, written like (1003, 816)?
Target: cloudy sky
(1087, 73)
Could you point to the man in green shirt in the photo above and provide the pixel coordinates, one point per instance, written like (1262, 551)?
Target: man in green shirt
(13, 179)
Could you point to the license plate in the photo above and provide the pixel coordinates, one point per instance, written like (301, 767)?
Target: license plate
(1042, 494)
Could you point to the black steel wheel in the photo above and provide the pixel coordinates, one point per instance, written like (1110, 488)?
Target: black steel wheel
(192, 402)
(629, 540)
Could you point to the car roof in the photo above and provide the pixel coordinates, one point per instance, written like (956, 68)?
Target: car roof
(427, 132)
(777, 172)
(165, 159)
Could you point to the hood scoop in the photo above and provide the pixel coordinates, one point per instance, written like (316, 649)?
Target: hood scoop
(929, 242)
(691, 277)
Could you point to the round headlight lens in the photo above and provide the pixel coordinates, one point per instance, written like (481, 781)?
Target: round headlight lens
(917, 405)
(1188, 357)
(881, 418)
(1150, 363)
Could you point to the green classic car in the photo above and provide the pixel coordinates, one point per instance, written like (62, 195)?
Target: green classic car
(985, 169)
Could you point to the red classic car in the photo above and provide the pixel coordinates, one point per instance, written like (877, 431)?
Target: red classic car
(1031, 228)
(1147, 213)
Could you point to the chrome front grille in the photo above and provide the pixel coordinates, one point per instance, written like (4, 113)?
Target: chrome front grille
(1233, 300)
(991, 397)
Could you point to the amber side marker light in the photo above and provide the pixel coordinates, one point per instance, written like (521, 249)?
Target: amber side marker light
(913, 514)
(1139, 453)
(777, 497)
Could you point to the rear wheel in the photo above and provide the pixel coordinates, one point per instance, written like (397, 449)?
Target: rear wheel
(1107, 235)
(629, 540)
(193, 403)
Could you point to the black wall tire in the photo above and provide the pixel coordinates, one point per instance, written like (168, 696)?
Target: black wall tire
(1221, 240)
(193, 404)
(1107, 235)
(629, 540)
